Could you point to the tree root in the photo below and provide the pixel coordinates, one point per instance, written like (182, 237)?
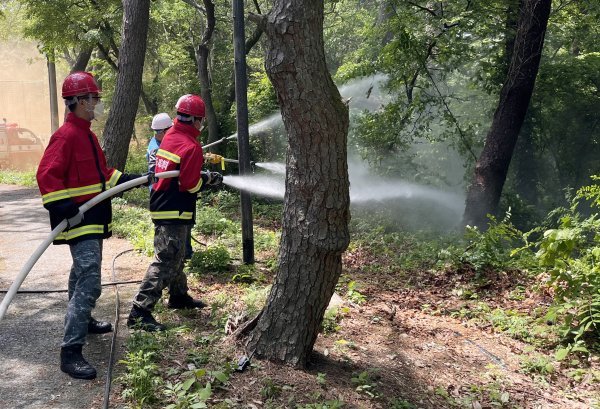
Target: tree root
(243, 330)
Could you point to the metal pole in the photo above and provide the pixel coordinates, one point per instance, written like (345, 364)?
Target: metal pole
(241, 100)
(52, 90)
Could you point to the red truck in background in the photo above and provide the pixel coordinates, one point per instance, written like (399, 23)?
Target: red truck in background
(19, 147)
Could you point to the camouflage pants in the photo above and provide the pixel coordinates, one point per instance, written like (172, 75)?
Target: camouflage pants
(167, 267)
(84, 289)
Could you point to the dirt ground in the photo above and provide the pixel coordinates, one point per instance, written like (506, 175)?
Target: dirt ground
(410, 356)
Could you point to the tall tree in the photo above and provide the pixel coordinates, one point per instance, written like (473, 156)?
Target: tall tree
(82, 59)
(202, 54)
(120, 122)
(492, 166)
(316, 204)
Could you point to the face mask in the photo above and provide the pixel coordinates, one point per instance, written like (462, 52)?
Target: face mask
(99, 110)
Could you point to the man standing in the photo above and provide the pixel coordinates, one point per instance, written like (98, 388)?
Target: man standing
(172, 205)
(73, 170)
(160, 125)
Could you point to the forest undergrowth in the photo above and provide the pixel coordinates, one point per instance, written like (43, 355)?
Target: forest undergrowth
(419, 320)
(495, 319)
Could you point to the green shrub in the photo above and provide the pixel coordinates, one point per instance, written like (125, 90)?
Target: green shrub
(493, 248)
(141, 379)
(571, 253)
(266, 240)
(134, 224)
(136, 160)
(139, 197)
(211, 221)
(214, 259)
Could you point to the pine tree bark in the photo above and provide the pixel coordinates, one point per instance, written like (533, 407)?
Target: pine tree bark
(316, 202)
(119, 125)
(492, 166)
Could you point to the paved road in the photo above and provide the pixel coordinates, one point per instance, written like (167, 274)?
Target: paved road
(31, 331)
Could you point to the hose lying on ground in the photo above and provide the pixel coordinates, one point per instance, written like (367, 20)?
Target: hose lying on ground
(58, 229)
(113, 342)
(64, 290)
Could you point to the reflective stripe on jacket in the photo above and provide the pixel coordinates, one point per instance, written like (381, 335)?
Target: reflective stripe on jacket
(173, 200)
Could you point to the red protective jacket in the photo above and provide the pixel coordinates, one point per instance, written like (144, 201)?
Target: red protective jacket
(72, 171)
(173, 200)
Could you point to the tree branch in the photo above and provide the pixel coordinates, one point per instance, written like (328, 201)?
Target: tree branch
(432, 12)
(259, 19)
(106, 56)
(195, 5)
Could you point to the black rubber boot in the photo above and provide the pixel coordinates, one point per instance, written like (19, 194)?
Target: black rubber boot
(185, 302)
(73, 364)
(99, 327)
(140, 319)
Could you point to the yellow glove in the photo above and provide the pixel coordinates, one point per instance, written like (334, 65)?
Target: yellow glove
(212, 158)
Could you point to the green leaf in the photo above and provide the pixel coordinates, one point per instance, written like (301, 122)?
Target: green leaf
(205, 392)
(561, 354)
(221, 376)
(188, 383)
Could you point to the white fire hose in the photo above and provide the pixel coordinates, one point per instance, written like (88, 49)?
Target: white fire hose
(58, 229)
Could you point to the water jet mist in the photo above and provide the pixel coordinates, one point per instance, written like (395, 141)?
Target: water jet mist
(411, 204)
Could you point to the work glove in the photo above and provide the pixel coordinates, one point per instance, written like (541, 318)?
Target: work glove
(212, 158)
(152, 179)
(75, 220)
(213, 179)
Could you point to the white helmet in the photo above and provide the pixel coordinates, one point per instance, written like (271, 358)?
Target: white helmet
(161, 121)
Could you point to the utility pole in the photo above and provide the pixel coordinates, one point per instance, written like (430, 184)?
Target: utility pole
(52, 90)
(241, 99)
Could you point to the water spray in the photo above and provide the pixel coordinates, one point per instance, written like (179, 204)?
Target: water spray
(12, 291)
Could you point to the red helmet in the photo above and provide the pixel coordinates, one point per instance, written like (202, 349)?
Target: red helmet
(192, 105)
(79, 83)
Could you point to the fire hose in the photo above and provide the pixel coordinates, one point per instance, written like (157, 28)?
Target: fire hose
(12, 291)
(228, 138)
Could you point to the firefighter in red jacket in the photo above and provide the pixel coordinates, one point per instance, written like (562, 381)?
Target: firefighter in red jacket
(172, 206)
(72, 171)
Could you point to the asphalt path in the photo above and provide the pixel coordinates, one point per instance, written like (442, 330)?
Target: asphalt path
(32, 329)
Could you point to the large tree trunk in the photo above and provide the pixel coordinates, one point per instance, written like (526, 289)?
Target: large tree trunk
(202, 55)
(491, 168)
(150, 104)
(120, 122)
(83, 58)
(316, 203)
